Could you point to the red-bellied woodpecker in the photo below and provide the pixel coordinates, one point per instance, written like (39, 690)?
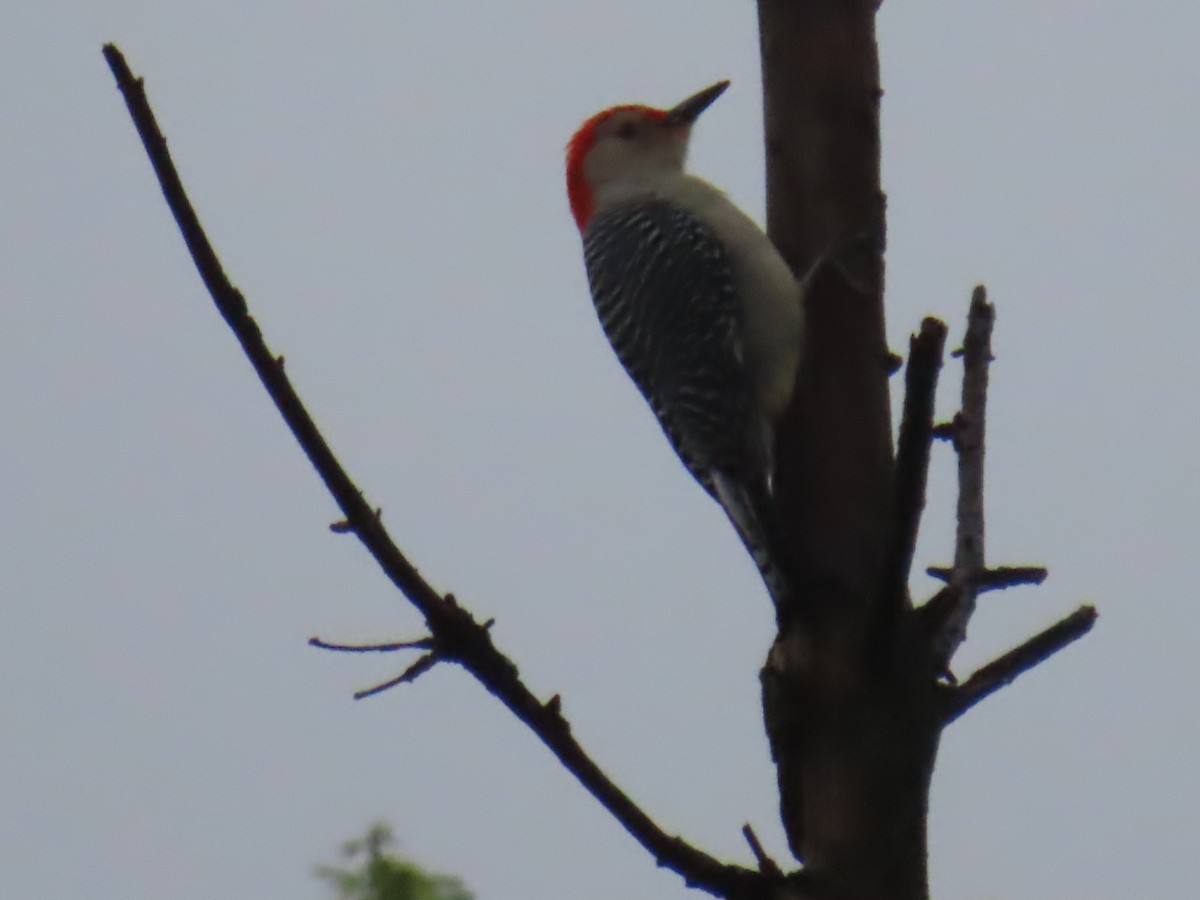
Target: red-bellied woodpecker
(700, 308)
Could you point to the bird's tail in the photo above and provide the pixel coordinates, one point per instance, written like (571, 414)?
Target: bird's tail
(750, 513)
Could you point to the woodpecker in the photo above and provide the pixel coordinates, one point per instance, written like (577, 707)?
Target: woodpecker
(701, 309)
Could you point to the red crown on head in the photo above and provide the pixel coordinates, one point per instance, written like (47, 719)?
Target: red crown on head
(579, 192)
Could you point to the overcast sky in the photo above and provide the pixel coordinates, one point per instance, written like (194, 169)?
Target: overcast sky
(384, 181)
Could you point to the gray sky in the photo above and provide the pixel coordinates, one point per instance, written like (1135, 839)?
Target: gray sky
(384, 181)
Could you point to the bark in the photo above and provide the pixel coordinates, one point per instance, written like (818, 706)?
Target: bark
(847, 695)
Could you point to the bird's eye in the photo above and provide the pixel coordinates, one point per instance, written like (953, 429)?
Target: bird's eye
(627, 130)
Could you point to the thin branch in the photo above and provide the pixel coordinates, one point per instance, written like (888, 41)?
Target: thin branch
(969, 442)
(995, 579)
(1005, 669)
(460, 638)
(424, 663)
(420, 644)
(912, 456)
(766, 865)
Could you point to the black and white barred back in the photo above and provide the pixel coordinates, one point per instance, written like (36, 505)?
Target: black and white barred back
(666, 296)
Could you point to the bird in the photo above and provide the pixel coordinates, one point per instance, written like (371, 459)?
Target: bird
(700, 308)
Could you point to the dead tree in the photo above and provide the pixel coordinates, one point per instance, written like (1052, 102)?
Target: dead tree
(857, 686)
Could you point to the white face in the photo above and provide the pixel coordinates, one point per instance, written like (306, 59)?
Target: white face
(630, 145)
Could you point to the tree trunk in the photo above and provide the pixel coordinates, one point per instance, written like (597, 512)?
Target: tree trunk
(847, 689)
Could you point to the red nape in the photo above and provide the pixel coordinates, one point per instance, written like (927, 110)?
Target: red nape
(579, 192)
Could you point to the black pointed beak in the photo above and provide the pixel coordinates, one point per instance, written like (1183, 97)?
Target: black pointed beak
(689, 110)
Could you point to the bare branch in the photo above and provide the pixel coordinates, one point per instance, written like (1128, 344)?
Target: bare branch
(969, 434)
(995, 579)
(1004, 669)
(766, 865)
(459, 637)
(424, 663)
(912, 457)
(419, 644)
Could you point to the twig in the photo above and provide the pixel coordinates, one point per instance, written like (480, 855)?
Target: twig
(995, 579)
(766, 865)
(1004, 669)
(969, 442)
(424, 663)
(912, 454)
(460, 638)
(421, 644)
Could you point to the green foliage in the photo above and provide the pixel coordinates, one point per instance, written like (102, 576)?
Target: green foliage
(372, 874)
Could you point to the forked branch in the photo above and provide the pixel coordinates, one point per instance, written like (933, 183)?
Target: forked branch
(946, 615)
(455, 634)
